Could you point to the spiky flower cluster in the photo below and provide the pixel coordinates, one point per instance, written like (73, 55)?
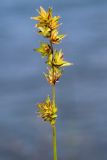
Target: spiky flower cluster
(48, 27)
(47, 111)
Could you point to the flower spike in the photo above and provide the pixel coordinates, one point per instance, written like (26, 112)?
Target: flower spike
(48, 27)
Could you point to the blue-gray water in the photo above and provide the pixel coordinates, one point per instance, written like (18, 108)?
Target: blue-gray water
(81, 93)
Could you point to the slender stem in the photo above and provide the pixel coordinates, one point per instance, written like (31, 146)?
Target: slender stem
(54, 102)
(51, 46)
(53, 95)
(54, 143)
(54, 127)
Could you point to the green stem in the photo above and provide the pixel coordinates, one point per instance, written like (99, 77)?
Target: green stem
(54, 127)
(54, 102)
(54, 143)
(53, 95)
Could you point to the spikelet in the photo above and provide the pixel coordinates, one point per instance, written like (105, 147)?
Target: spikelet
(47, 111)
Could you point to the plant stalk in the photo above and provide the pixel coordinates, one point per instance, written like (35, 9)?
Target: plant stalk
(54, 143)
(54, 139)
(54, 127)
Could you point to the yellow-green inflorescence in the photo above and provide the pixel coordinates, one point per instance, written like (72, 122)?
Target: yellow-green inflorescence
(48, 28)
(47, 111)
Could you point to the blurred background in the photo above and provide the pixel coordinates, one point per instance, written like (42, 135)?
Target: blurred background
(81, 93)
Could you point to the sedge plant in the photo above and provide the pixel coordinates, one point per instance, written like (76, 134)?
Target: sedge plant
(48, 27)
